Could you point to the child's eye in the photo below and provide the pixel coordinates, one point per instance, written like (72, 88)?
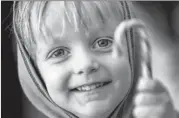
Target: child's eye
(103, 44)
(59, 52)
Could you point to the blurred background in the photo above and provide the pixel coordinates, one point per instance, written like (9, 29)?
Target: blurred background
(162, 19)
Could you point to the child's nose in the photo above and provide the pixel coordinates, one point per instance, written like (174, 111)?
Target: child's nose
(86, 68)
(85, 63)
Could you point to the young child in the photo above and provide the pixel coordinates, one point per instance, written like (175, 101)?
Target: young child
(66, 67)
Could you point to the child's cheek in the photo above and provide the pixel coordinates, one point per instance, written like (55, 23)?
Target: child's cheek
(119, 69)
(55, 76)
(122, 72)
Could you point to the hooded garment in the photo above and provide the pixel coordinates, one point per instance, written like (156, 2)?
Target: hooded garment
(36, 92)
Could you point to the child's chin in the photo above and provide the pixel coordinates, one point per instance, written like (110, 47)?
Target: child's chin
(95, 109)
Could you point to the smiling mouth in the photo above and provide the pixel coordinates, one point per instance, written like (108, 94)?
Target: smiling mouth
(90, 87)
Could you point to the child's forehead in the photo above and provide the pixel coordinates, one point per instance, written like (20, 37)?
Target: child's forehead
(60, 16)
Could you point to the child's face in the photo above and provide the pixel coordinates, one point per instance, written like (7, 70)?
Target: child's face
(76, 65)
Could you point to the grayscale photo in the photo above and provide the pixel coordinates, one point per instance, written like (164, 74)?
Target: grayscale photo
(90, 59)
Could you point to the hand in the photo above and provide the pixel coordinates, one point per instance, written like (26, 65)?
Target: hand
(152, 100)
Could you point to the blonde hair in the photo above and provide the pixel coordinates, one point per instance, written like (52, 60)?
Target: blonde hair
(76, 13)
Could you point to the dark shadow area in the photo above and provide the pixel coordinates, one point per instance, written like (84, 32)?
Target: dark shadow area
(11, 94)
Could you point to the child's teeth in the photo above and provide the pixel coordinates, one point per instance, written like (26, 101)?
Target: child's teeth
(79, 88)
(83, 88)
(93, 87)
(90, 87)
(87, 88)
